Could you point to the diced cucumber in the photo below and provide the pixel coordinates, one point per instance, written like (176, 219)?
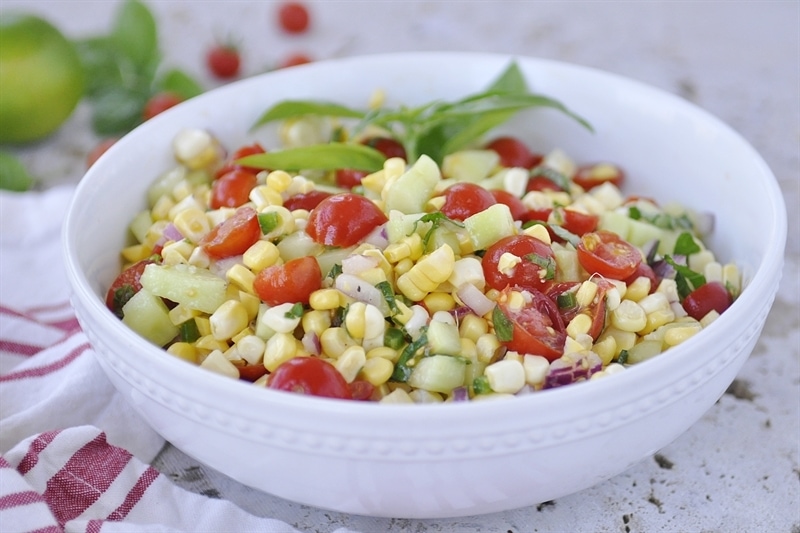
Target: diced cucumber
(401, 225)
(438, 373)
(298, 244)
(146, 314)
(644, 350)
(263, 330)
(187, 285)
(470, 165)
(640, 233)
(441, 236)
(567, 266)
(443, 338)
(331, 257)
(410, 192)
(140, 224)
(615, 222)
(490, 225)
(513, 180)
(165, 184)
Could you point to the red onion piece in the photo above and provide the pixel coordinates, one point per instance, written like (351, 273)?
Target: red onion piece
(475, 299)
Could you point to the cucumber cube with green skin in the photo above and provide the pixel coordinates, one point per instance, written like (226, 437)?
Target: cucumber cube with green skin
(411, 191)
(140, 224)
(187, 285)
(438, 373)
(402, 225)
(147, 315)
(490, 225)
(443, 338)
(615, 222)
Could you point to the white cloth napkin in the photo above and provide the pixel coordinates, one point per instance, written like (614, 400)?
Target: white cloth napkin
(73, 455)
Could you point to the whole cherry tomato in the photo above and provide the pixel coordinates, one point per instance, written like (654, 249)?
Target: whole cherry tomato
(536, 267)
(232, 189)
(606, 253)
(711, 296)
(159, 103)
(291, 282)
(574, 221)
(233, 236)
(223, 61)
(644, 270)
(312, 376)
(343, 219)
(293, 17)
(464, 199)
(514, 153)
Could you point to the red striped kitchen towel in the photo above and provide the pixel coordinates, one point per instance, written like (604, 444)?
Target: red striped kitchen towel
(73, 455)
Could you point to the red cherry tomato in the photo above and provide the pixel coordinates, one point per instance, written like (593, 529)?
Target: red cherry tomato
(711, 296)
(644, 270)
(596, 310)
(232, 189)
(293, 17)
(159, 103)
(291, 282)
(348, 178)
(223, 61)
(294, 59)
(514, 153)
(244, 151)
(514, 204)
(462, 200)
(542, 183)
(361, 389)
(312, 376)
(101, 148)
(591, 176)
(306, 200)
(126, 285)
(233, 236)
(537, 328)
(343, 219)
(575, 221)
(252, 372)
(536, 269)
(605, 253)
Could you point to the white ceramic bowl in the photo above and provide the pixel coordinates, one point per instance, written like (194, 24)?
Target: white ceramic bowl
(449, 459)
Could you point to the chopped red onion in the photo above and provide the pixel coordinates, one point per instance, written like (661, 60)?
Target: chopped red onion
(474, 298)
(361, 290)
(378, 237)
(312, 343)
(171, 233)
(572, 368)
(460, 394)
(356, 264)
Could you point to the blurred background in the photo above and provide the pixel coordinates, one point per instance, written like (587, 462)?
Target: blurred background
(739, 60)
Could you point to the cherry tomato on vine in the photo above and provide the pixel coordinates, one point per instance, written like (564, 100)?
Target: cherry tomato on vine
(159, 103)
(591, 176)
(343, 219)
(712, 296)
(291, 282)
(126, 285)
(232, 189)
(306, 200)
(605, 253)
(464, 199)
(310, 375)
(233, 236)
(293, 17)
(514, 204)
(223, 61)
(537, 328)
(514, 153)
(536, 267)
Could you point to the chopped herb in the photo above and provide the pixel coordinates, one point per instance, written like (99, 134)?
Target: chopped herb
(295, 312)
(268, 221)
(435, 219)
(552, 174)
(402, 369)
(566, 300)
(121, 297)
(634, 213)
(686, 245)
(335, 270)
(503, 327)
(394, 338)
(388, 294)
(622, 358)
(686, 279)
(189, 331)
(480, 385)
(565, 234)
(546, 263)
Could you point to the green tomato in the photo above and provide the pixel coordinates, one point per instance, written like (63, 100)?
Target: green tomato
(41, 78)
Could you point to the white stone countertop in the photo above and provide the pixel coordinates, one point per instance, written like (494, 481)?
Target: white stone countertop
(738, 468)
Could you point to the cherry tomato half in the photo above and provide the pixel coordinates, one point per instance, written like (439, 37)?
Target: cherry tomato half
(233, 236)
(126, 285)
(343, 219)
(305, 200)
(464, 199)
(232, 189)
(514, 153)
(596, 310)
(591, 176)
(575, 221)
(605, 253)
(514, 204)
(542, 183)
(537, 328)
(536, 268)
(310, 375)
(712, 296)
(291, 282)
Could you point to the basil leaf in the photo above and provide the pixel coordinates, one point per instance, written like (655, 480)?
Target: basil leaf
(134, 33)
(319, 157)
(401, 369)
(475, 129)
(295, 312)
(100, 63)
(510, 80)
(117, 110)
(503, 327)
(546, 263)
(686, 279)
(13, 174)
(179, 82)
(565, 234)
(686, 245)
(552, 174)
(298, 108)
(388, 295)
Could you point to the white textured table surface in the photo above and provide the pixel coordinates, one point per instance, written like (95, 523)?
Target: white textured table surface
(738, 468)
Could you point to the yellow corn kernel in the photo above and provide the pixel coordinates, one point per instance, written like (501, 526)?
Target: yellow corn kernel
(585, 294)
(217, 362)
(377, 370)
(263, 197)
(540, 232)
(439, 301)
(160, 210)
(579, 325)
(507, 263)
(316, 321)
(192, 223)
(155, 232)
(472, 327)
(300, 185)
(136, 252)
(638, 289)
(180, 314)
(241, 277)
(625, 340)
(732, 278)
(384, 352)
(656, 319)
(403, 266)
(606, 349)
(397, 396)
(710, 317)
(183, 350)
(279, 348)
(487, 346)
(373, 275)
(229, 319)
(435, 203)
(242, 334)
(350, 362)
(404, 312)
(203, 325)
(536, 368)
(676, 335)
(629, 316)
(260, 255)
(506, 376)
(515, 301)
(355, 320)
(251, 303)
(573, 346)
(324, 299)
(278, 180)
(199, 258)
(176, 252)
(209, 343)
(713, 271)
(251, 348)
(335, 341)
(699, 260)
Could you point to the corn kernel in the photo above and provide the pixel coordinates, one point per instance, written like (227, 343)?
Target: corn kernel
(335, 341)
(136, 253)
(397, 396)
(180, 314)
(487, 346)
(278, 180)
(606, 349)
(506, 376)
(279, 348)
(535, 367)
(624, 339)
(539, 231)
(160, 210)
(579, 325)
(183, 350)
(192, 223)
(229, 319)
(629, 316)
(260, 255)
(377, 370)
(439, 301)
(324, 299)
(209, 343)
(676, 335)
(263, 197)
(585, 294)
(216, 362)
(656, 319)
(241, 277)
(638, 289)
(472, 327)
(350, 362)
(280, 318)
